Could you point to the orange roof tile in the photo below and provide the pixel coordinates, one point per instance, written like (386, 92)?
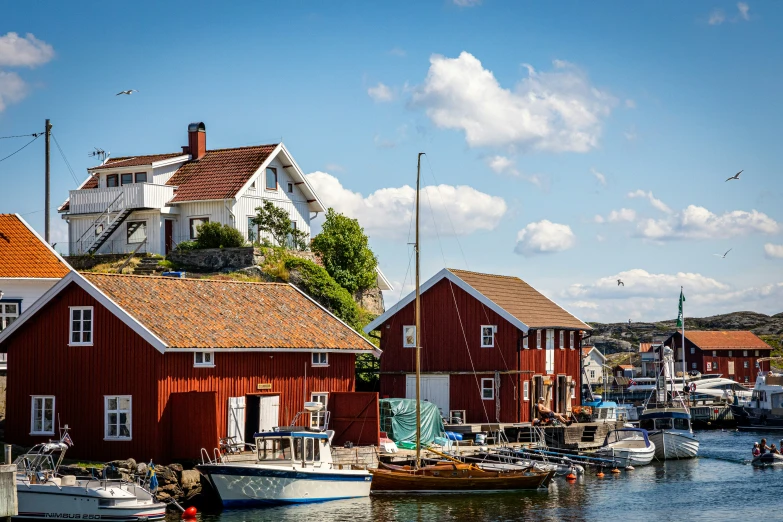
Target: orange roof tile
(136, 161)
(725, 340)
(645, 347)
(219, 174)
(215, 314)
(24, 254)
(521, 300)
(625, 366)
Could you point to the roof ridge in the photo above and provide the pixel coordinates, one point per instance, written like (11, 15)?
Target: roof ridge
(245, 147)
(192, 279)
(454, 270)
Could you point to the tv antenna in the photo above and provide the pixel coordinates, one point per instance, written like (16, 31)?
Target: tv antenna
(99, 153)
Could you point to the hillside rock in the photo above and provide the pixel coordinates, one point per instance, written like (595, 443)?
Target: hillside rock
(371, 300)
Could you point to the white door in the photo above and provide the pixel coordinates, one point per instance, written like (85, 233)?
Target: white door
(268, 412)
(236, 418)
(550, 352)
(434, 389)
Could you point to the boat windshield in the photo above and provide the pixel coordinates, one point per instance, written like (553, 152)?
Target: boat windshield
(312, 449)
(681, 424)
(276, 449)
(619, 435)
(663, 424)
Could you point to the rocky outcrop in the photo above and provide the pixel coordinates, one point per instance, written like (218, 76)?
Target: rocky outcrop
(213, 259)
(371, 300)
(260, 254)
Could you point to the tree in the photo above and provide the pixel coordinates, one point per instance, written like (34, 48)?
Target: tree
(215, 235)
(274, 220)
(345, 252)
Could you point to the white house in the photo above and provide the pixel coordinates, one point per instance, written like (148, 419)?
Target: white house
(28, 268)
(593, 361)
(150, 203)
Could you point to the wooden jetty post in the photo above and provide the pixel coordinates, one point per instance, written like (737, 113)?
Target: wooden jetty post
(9, 506)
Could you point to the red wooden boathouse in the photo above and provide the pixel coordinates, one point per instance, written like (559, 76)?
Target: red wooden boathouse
(157, 368)
(491, 345)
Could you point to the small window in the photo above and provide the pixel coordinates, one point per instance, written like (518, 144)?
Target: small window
(592, 374)
(126, 179)
(141, 177)
(693, 350)
(8, 314)
(112, 180)
(318, 418)
(271, 178)
(204, 359)
(571, 340)
(757, 353)
(136, 232)
(538, 339)
(745, 364)
(573, 389)
(744, 353)
(488, 389)
(714, 353)
(487, 336)
(562, 339)
(746, 379)
(290, 187)
(194, 224)
(525, 343)
(42, 416)
(320, 359)
(526, 390)
(731, 353)
(118, 417)
(81, 326)
(409, 336)
(252, 229)
(693, 365)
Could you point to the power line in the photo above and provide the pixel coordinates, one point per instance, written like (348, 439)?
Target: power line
(73, 175)
(35, 134)
(19, 150)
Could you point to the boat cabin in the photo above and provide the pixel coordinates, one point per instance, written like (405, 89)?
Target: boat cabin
(293, 447)
(665, 421)
(630, 437)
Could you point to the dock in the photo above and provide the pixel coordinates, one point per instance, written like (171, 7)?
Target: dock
(577, 437)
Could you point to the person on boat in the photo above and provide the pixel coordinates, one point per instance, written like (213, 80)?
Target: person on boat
(756, 450)
(763, 448)
(546, 413)
(774, 450)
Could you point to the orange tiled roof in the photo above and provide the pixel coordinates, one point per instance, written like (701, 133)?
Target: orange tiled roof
(586, 351)
(135, 161)
(215, 314)
(23, 254)
(725, 340)
(645, 347)
(219, 174)
(625, 366)
(521, 300)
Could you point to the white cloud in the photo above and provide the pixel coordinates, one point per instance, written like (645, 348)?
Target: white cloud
(387, 212)
(600, 177)
(398, 51)
(699, 223)
(631, 104)
(641, 283)
(12, 89)
(655, 202)
(773, 251)
(544, 237)
(467, 3)
(334, 167)
(499, 164)
(505, 165)
(380, 93)
(29, 51)
(717, 17)
(743, 9)
(554, 111)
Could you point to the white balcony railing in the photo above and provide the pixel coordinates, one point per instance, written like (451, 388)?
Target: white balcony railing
(137, 195)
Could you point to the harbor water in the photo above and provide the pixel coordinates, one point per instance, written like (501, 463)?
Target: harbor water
(718, 485)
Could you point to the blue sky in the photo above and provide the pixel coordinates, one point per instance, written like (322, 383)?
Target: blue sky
(536, 118)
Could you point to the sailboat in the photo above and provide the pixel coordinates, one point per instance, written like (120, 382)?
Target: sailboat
(449, 475)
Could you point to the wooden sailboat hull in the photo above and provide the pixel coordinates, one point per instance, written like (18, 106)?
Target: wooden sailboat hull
(456, 478)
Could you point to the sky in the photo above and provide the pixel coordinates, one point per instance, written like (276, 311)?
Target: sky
(570, 144)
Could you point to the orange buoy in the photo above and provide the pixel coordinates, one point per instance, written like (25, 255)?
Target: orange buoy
(571, 476)
(600, 474)
(189, 513)
(615, 470)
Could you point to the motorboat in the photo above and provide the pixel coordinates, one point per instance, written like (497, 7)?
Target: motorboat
(767, 459)
(720, 389)
(290, 465)
(44, 493)
(603, 411)
(764, 410)
(627, 447)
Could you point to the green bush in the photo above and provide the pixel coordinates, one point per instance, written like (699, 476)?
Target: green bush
(215, 235)
(186, 246)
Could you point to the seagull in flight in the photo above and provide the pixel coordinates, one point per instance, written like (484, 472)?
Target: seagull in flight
(736, 176)
(620, 282)
(724, 255)
(131, 91)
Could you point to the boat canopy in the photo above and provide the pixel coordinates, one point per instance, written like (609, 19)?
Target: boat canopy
(600, 404)
(626, 433)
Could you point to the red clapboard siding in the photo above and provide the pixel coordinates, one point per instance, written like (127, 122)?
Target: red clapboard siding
(355, 417)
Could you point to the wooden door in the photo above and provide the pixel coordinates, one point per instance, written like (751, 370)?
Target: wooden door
(169, 235)
(268, 412)
(236, 418)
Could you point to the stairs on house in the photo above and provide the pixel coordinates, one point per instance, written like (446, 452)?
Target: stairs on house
(109, 230)
(147, 266)
(588, 435)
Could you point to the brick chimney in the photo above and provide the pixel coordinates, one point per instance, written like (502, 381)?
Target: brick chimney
(197, 140)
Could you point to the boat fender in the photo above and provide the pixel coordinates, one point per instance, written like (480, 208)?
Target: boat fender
(189, 514)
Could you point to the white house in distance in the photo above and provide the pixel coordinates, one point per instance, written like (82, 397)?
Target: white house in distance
(150, 203)
(593, 362)
(28, 268)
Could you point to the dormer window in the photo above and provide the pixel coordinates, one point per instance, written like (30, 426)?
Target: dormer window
(271, 178)
(126, 179)
(113, 180)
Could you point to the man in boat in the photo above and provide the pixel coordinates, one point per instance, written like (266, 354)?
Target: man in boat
(546, 413)
(763, 448)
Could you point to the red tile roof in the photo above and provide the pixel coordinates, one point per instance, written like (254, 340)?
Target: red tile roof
(726, 340)
(625, 366)
(219, 314)
(520, 300)
(645, 347)
(23, 254)
(219, 174)
(135, 161)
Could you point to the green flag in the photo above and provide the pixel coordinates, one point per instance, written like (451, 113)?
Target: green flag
(680, 317)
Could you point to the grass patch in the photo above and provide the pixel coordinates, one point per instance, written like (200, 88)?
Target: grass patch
(111, 268)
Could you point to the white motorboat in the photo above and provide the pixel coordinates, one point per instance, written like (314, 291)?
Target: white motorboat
(45, 494)
(627, 447)
(764, 409)
(292, 465)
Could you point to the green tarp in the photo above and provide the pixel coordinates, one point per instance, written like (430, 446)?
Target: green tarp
(398, 420)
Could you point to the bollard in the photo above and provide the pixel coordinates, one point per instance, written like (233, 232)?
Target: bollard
(9, 459)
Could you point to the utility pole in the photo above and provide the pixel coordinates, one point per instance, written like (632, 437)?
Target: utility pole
(48, 172)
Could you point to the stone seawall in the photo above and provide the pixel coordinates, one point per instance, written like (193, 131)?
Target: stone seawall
(213, 259)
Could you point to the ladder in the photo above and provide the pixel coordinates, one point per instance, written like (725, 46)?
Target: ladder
(108, 222)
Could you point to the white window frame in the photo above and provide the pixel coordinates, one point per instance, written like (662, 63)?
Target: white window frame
(745, 364)
(32, 414)
(693, 350)
(118, 411)
(538, 339)
(562, 339)
(492, 388)
(137, 240)
(744, 353)
(319, 416)
(573, 389)
(290, 187)
(207, 359)
(525, 343)
(406, 344)
(6, 318)
(592, 374)
(252, 228)
(492, 328)
(714, 353)
(571, 339)
(731, 353)
(319, 359)
(526, 390)
(82, 331)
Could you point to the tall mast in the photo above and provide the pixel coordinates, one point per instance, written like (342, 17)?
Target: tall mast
(418, 319)
(684, 366)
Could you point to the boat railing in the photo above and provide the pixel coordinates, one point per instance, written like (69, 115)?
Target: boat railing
(216, 453)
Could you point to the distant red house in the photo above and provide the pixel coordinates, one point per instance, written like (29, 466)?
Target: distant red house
(734, 354)
(156, 368)
(491, 345)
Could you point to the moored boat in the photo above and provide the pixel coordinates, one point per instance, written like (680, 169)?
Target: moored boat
(455, 477)
(764, 410)
(627, 447)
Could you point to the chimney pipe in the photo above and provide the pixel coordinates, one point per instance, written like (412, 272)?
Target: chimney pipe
(197, 140)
